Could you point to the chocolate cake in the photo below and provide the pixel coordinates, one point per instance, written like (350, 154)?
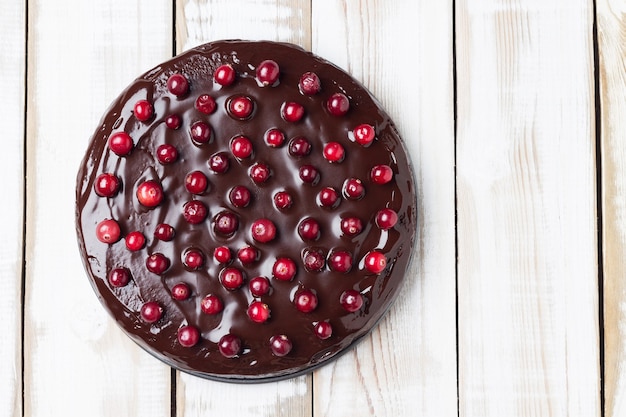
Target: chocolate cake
(246, 211)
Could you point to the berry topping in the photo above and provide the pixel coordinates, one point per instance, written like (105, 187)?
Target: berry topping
(143, 110)
(364, 134)
(259, 286)
(151, 312)
(353, 189)
(200, 132)
(177, 84)
(193, 259)
(338, 104)
(229, 346)
(222, 254)
(305, 300)
(351, 226)
(226, 223)
(188, 336)
(284, 269)
(247, 255)
(323, 330)
(309, 174)
(334, 152)
(386, 218)
(240, 107)
(267, 73)
(135, 241)
(196, 182)
(211, 304)
(195, 212)
(375, 262)
(231, 278)
(299, 147)
(166, 154)
(282, 200)
(239, 196)
(328, 197)
(121, 143)
(157, 263)
(205, 104)
(173, 121)
(219, 163)
(280, 345)
(181, 291)
(258, 312)
(108, 231)
(381, 174)
(313, 260)
(106, 185)
(164, 232)
(292, 111)
(263, 230)
(241, 147)
(150, 193)
(259, 172)
(274, 138)
(340, 261)
(224, 75)
(119, 277)
(351, 300)
(309, 84)
(309, 229)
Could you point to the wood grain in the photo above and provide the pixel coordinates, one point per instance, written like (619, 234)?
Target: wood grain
(611, 25)
(402, 51)
(12, 68)
(80, 56)
(527, 262)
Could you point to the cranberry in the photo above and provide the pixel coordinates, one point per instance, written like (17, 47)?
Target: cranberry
(164, 232)
(309, 84)
(195, 212)
(284, 269)
(274, 138)
(241, 147)
(375, 262)
(205, 104)
(222, 254)
(119, 277)
(193, 259)
(150, 193)
(280, 345)
(239, 196)
(267, 73)
(196, 182)
(259, 286)
(177, 84)
(258, 312)
(166, 154)
(334, 152)
(353, 189)
(259, 172)
(200, 132)
(381, 174)
(108, 231)
(328, 197)
(305, 301)
(211, 304)
(181, 291)
(219, 163)
(157, 263)
(282, 200)
(240, 107)
(313, 260)
(188, 336)
(263, 230)
(386, 218)
(323, 330)
(351, 300)
(364, 134)
(143, 110)
(121, 143)
(351, 226)
(338, 104)
(299, 147)
(224, 75)
(292, 111)
(173, 121)
(309, 229)
(151, 312)
(231, 278)
(309, 174)
(106, 185)
(247, 255)
(135, 241)
(226, 223)
(340, 261)
(229, 345)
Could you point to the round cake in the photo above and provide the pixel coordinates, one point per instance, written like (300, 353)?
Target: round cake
(246, 211)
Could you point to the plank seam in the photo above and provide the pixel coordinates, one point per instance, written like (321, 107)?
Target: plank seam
(24, 213)
(456, 210)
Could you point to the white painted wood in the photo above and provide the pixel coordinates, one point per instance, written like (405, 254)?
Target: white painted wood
(81, 55)
(402, 51)
(527, 244)
(612, 53)
(12, 72)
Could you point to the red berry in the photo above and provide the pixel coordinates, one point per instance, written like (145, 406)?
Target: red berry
(338, 104)
(150, 193)
(231, 278)
(135, 241)
(240, 107)
(205, 104)
(334, 152)
(108, 231)
(151, 312)
(340, 261)
(200, 132)
(173, 121)
(351, 226)
(381, 174)
(241, 147)
(106, 185)
(353, 189)
(224, 75)
(193, 259)
(222, 254)
(323, 330)
(247, 255)
(313, 260)
(259, 173)
(274, 138)
(258, 312)
(267, 73)
(166, 154)
(309, 229)
(188, 336)
(309, 84)
(196, 182)
(177, 84)
(309, 174)
(121, 143)
(219, 163)
(181, 291)
(229, 346)
(282, 200)
(157, 263)
(305, 301)
(143, 110)
(226, 223)
(280, 345)
(263, 230)
(164, 232)
(119, 277)
(259, 286)
(386, 218)
(328, 197)
(351, 300)
(292, 111)
(299, 147)
(284, 269)
(375, 262)
(195, 212)
(211, 304)
(239, 196)
(364, 134)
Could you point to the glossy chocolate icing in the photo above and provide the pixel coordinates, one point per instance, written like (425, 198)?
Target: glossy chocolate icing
(256, 362)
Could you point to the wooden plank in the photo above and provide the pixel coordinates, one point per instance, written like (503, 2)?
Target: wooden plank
(611, 25)
(199, 22)
(402, 51)
(12, 68)
(80, 56)
(527, 244)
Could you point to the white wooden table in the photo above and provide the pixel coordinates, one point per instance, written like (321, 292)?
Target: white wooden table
(514, 113)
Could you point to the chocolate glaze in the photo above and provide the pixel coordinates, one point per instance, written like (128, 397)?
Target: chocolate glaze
(256, 362)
